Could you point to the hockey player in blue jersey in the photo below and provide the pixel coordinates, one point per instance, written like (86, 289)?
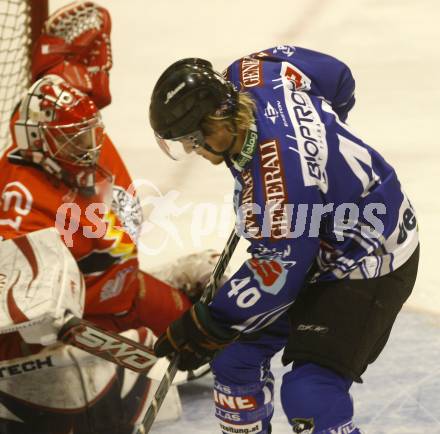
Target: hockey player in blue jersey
(333, 238)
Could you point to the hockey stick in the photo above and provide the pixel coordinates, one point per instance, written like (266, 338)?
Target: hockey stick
(206, 297)
(107, 345)
(95, 342)
(53, 358)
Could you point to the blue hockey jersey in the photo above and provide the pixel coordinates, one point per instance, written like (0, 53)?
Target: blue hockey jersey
(314, 201)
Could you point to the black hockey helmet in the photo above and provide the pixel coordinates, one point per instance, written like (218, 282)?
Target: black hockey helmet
(185, 93)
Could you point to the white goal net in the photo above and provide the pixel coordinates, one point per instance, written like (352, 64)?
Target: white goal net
(15, 40)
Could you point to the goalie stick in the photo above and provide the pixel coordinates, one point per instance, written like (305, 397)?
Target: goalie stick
(107, 345)
(206, 297)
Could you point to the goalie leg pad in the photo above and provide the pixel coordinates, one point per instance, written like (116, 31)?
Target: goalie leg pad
(93, 398)
(317, 400)
(63, 389)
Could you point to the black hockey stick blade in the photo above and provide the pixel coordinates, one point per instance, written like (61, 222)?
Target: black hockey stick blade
(206, 297)
(107, 345)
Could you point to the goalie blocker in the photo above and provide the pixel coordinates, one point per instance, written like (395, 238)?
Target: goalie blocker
(40, 286)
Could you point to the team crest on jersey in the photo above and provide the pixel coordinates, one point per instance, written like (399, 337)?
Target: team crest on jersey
(123, 223)
(127, 207)
(303, 426)
(114, 287)
(270, 274)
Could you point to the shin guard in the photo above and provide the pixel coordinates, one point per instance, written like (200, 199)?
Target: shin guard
(317, 400)
(246, 408)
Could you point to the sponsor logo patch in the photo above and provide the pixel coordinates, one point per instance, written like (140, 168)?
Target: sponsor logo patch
(274, 189)
(296, 77)
(288, 50)
(310, 136)
(172, 93)
(247, 151)
(28, 366)
(313, 328)
(15, 202)
(241, 429)
(231, 402)
(251, 72)
(271, 113)
(227, 415)
(303, 426)
(116, 349)
(247, 203)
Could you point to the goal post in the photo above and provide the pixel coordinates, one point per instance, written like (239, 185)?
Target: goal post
(39, 11)
(20, 25)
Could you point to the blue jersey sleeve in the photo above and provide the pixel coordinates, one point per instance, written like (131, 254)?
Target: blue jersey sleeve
(265, 285)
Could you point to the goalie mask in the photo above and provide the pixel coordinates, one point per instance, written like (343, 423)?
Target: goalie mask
(60, 129)
(187, 92)
(75, 44)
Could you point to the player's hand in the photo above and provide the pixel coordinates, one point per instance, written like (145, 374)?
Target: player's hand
(196, 336)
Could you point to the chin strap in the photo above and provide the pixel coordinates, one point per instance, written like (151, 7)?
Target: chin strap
(225, 153)
(247, 150)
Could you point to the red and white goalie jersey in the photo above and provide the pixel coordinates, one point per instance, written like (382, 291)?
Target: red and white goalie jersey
(118, 295)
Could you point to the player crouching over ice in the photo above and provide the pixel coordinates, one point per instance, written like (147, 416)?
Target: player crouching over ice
(339, 281)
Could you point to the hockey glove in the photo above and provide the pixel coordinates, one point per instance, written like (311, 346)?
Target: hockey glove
(196, 336)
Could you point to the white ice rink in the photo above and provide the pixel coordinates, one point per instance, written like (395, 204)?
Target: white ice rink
(392, 47)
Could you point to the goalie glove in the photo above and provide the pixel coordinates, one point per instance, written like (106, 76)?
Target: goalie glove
(196, 336)
(190, 273)
(75, 44)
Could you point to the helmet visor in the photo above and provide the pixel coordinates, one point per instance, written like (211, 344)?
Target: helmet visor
(78, 143)
(181, 148)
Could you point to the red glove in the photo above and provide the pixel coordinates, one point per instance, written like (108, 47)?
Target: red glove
(156, 306)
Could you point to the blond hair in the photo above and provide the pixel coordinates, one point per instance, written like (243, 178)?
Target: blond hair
(243, 118)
